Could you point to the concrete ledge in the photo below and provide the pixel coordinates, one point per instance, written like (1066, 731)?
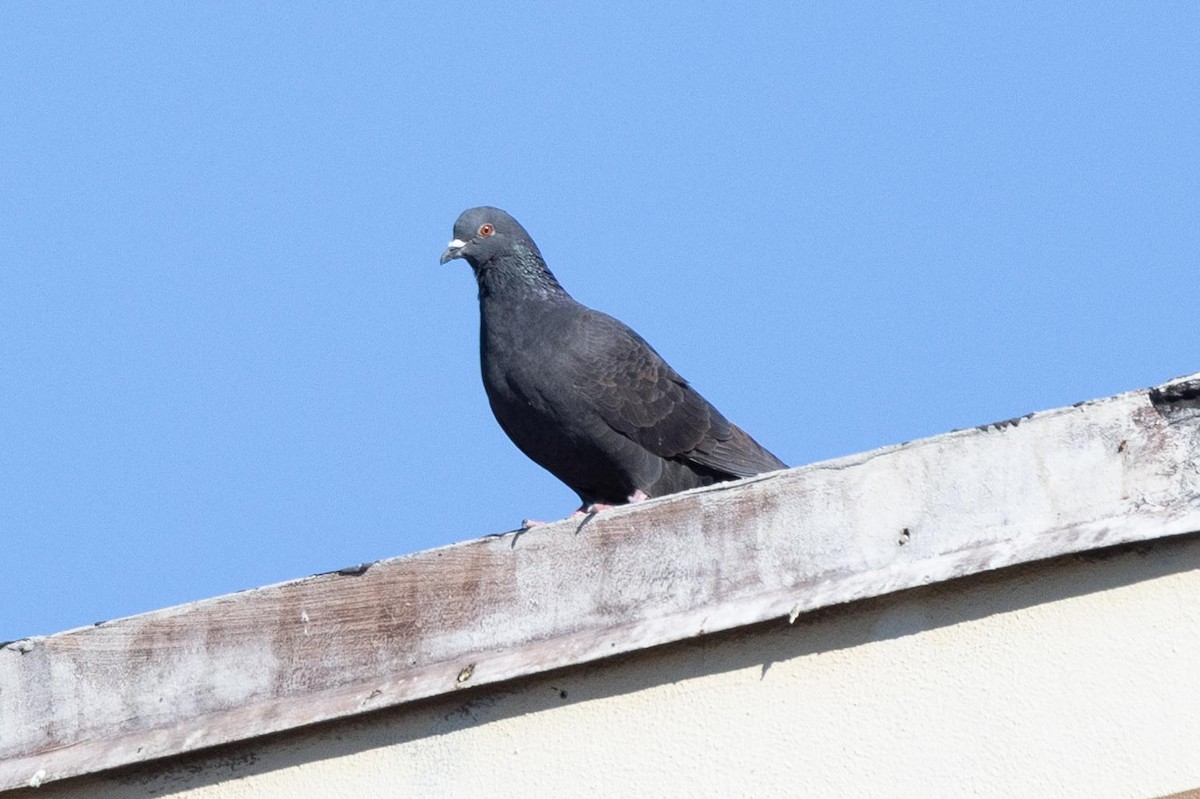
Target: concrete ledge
(1112, 471)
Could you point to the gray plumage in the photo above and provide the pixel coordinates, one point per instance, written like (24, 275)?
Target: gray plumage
(579, 392)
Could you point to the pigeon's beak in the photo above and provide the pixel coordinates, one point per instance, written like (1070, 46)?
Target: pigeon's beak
(453, 250)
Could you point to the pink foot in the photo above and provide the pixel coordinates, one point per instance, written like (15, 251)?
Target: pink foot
(596, 507)
(588, 510)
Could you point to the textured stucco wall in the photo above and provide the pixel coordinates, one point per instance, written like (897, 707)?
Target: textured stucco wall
(1079, 677)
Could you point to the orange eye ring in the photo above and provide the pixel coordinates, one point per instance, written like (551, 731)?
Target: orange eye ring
(486, 229)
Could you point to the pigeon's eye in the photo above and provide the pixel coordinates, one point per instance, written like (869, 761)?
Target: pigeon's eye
(486, 229)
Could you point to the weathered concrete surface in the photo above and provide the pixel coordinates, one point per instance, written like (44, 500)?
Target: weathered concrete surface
(1069, 678)
(1073, 479)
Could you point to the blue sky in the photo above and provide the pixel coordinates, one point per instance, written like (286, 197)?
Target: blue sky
(230, 356)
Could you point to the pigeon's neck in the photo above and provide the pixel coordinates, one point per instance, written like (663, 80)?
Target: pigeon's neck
(520, 276)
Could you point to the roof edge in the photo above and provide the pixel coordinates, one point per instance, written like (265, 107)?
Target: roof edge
(1092, 475)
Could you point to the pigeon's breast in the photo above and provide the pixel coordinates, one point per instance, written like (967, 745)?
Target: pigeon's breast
(536, 379)
(531, 372)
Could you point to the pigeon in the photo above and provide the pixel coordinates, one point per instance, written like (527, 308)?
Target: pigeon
(582, 394)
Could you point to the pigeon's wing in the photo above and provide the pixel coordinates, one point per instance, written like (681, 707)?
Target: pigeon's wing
(640, 396)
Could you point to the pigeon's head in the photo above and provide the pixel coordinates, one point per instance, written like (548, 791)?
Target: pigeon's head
(482, 234)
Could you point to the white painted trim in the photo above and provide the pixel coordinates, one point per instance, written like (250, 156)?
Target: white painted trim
(1112, 471)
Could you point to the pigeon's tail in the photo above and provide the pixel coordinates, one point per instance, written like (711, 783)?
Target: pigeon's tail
(738, 456)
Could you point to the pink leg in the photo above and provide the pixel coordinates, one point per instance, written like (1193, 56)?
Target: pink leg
(596, 507)
(587, 510)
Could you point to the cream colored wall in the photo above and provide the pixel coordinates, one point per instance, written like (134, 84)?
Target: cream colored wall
(1077, 678)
